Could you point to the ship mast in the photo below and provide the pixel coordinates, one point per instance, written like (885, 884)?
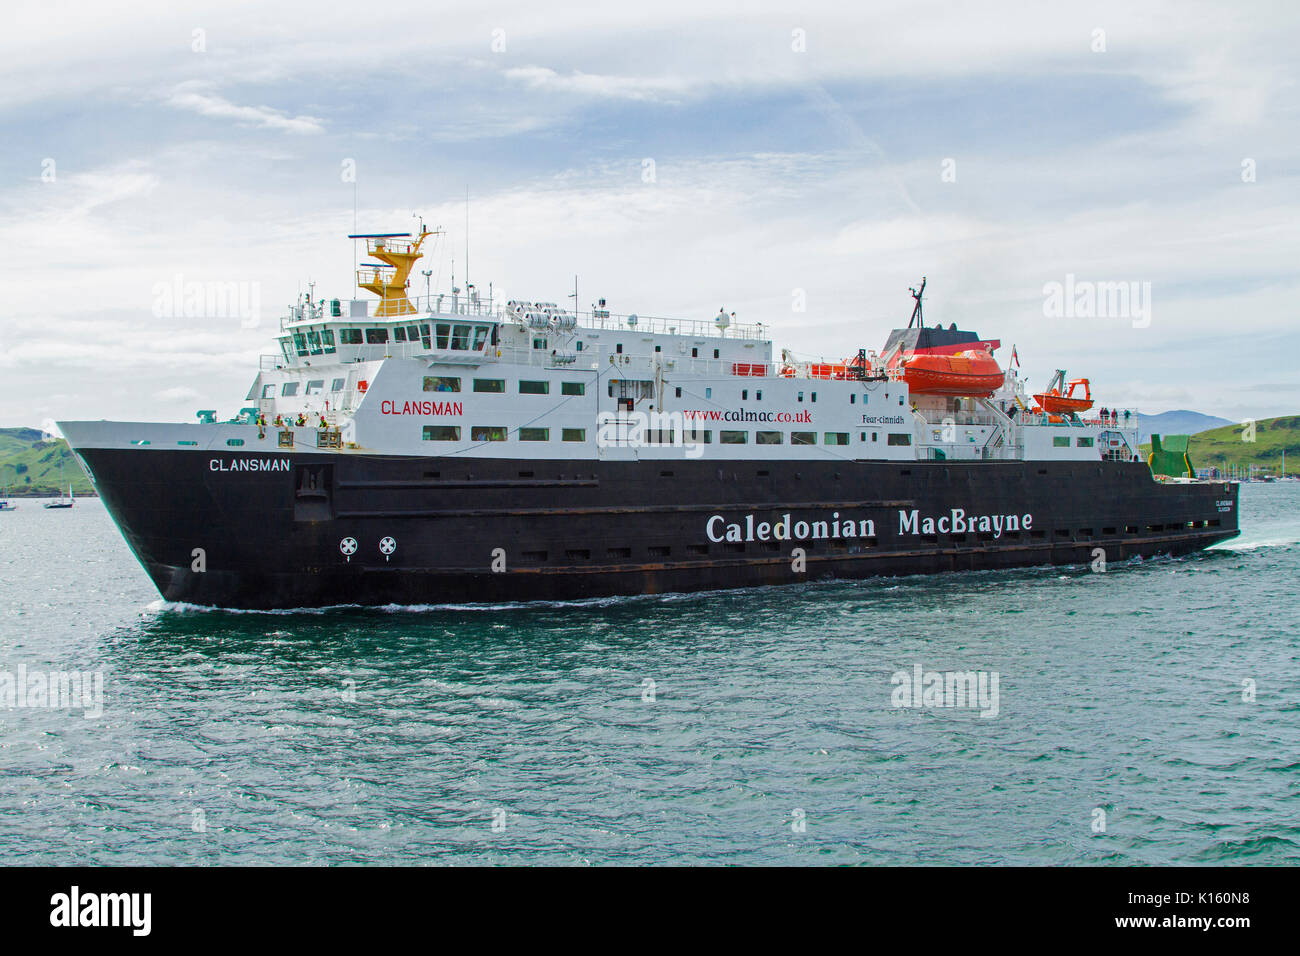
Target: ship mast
(917, 320)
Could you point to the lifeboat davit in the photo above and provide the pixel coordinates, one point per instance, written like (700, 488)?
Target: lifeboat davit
(1058, 401)
(973, 373)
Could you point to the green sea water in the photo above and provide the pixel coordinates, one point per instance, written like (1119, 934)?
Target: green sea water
(1149, 714)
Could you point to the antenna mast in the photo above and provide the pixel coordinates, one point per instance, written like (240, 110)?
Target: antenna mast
(917, 320)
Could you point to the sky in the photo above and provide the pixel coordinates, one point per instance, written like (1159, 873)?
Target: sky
(801, 164)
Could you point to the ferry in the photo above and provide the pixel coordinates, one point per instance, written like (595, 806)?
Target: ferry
(453, 448)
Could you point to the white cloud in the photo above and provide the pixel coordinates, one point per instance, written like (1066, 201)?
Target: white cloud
(207, 104)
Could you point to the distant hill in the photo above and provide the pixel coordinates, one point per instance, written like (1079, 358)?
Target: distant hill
(1179, 422)
(1228, 445)
(31, 467)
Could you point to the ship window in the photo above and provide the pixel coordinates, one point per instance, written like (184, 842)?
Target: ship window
(289, 390)
(695, 353)
(316, 386)
(539, 343)
(444, 330)
(268, 391)
(853, 398)
(708, 393)
(460, 338)
(441, 383)
(715, 353)
(234, 442)
(814, 396)
(424, 334)
(480, 337)
(758, 395)
(801, 396)
(767, 438)
(534, 388)
(327, 337)
(412, 333)
(733, 438)
(1061, 441)
(376, 336)
(534, 434)
(336, 385)
(873, 436)
(744, 394)
(573, 388)
(350, 336)
(300, 343)
(577, 346)
(489, 385)
(574, 434)
(619, 348)
(488, 433)
(399, 333)
(803, 438)
(836, 438)
(899, 438)
(287, 349)
(659, 348)
(1083, 442)
(679, 392)
(442, 433)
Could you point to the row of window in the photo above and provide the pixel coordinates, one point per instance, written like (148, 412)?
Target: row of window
(446, 335)
(448, 383)
(314, 387)
(1063, 441)
(481, 433)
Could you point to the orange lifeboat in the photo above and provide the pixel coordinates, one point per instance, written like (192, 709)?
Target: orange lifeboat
(1057, 400)
(970, 374)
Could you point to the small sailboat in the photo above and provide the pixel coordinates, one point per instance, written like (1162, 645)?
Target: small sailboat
(61, 502)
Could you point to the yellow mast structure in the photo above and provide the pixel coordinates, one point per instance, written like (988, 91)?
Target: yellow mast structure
(399, 253)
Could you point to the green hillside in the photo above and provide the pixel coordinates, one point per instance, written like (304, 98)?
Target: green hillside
(1228, 446)
(31, 467)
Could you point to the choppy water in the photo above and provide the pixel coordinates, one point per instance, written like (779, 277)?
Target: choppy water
(403, 735)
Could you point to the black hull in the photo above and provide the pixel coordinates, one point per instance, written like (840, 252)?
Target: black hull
(570, 530)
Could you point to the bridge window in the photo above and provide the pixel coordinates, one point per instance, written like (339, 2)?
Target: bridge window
(327, 337)
(350, 336)
(313, 340)
(287, 349)
(376, 336)
(300, 343)
(480, 337)
(424, 334)
(399, 333)
(441, 383)
(444, 331)
(460, 338)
